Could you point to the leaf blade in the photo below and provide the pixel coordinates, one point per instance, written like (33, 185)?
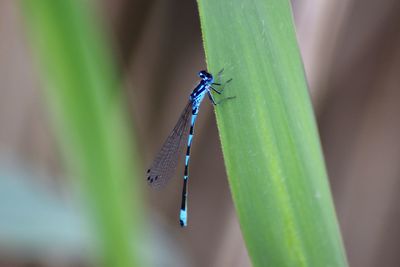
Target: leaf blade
(269, 137)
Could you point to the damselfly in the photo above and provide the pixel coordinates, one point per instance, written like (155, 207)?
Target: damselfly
(166, 160)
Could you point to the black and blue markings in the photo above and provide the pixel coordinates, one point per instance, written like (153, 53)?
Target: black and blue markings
(164, 164)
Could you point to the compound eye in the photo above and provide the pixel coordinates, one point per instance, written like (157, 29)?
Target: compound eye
(202, 74)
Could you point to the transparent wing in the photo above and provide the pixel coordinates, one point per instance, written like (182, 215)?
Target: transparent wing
(164, 164)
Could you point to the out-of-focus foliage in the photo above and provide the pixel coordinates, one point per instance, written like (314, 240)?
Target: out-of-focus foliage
(83, 94)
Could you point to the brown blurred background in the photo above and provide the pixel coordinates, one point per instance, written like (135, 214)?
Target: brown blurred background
(351, 53)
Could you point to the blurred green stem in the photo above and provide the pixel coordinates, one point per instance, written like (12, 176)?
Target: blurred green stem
(90, 119)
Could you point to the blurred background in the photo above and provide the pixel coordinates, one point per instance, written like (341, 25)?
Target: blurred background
(352, 59)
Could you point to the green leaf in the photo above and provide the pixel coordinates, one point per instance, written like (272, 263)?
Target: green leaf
(90, 119)
(269, 137)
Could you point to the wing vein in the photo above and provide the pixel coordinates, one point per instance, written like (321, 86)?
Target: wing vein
(164, 165)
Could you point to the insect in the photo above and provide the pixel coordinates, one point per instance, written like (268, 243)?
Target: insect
(164, 164)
